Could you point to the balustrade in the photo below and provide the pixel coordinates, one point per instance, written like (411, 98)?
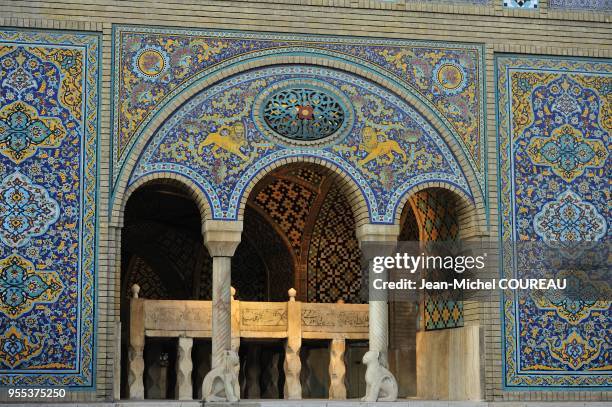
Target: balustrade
(292, 321)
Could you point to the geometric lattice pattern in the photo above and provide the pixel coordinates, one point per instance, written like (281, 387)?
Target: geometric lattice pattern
(274, 255)
(334, 257)
(288, 205)
(151, 285)
(554, 138)
(308, 175)
(435, 211)
(48, 197)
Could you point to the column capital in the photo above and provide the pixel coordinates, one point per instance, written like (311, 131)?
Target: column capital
(371, 232)
(222, 237)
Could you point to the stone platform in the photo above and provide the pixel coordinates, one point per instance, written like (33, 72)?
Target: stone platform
(324, 403)
(403, 403)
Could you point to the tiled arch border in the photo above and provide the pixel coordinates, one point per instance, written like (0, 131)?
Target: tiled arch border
(199, 197)
(304, 55)
(313, 58)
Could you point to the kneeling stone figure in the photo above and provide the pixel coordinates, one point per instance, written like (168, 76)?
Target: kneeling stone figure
(380, 382)
(221, 383)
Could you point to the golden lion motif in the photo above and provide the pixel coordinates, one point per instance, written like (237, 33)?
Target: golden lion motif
(228, 138)
(376, 148)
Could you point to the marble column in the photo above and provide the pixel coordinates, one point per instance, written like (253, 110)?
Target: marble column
(221, 311)
(184, 366)
(379, 308)
(337, 369)
(221, 239)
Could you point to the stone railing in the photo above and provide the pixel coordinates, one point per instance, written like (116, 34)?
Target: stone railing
(292, 320)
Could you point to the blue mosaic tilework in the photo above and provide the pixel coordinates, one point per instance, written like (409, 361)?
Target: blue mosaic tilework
(215, 139)
(48, 203)
(554, 143)
(524, 4)
(154, 65)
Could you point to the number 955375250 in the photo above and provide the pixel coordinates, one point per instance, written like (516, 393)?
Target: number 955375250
(36, 393)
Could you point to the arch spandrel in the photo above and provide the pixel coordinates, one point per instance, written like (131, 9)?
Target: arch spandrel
(216, 140)
(160, 64)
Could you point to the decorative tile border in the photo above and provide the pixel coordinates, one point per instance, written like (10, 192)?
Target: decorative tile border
(541, 100)
(50, 84)
(214, 140)
(454, 93)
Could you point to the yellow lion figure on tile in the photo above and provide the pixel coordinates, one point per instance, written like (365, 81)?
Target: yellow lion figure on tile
(228, 138)
(376, 148)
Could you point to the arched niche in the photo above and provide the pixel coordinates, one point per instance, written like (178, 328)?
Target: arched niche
(409, 151)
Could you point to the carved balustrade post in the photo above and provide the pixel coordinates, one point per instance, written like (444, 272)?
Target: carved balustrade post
(293, 365)
(379, 308)
(270, 378)
(184, 366)
(155, 372)
(221, 239)
(136, 347)
(253, 371)
(337, 369)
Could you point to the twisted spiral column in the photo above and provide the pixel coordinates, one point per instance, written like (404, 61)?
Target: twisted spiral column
(221, 311)
(369, 235)
(221, 239)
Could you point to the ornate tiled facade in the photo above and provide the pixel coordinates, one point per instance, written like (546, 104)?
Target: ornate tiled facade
(153, 66)
(224, 150)
(554, 138)
(48, 207)
(399, 105)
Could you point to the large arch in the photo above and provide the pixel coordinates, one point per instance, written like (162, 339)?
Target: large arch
(298, 55)
(453, 174)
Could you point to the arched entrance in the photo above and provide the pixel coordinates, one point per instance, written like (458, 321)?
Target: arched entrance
(304, 204)
(298, 231)
(291, 168)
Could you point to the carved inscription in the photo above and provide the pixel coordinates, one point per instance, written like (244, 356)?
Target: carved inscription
(177, 317)
(263, 317)
(354, 318)
(311, 317)
(335, 320)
